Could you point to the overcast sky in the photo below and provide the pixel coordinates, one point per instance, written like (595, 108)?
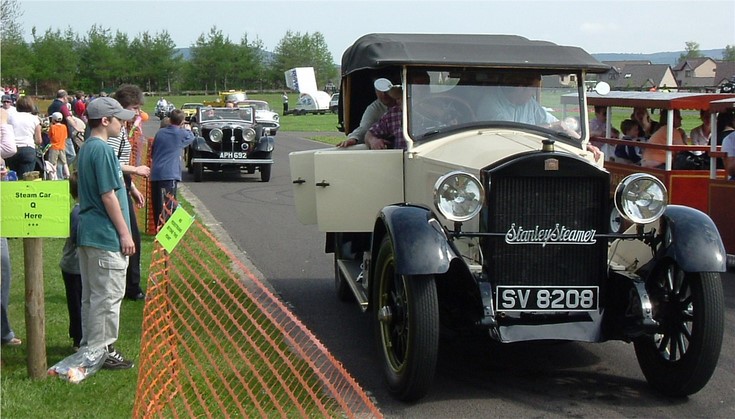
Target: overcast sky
(598, 26)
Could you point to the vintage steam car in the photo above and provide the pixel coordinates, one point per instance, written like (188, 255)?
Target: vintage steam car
(229, 138)
(497, 216)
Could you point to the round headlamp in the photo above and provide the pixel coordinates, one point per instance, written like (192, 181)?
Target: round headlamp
(458, 196)
(641, 198)
(216, 135)
(248, 134)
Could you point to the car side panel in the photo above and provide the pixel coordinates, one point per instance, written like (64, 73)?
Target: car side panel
(356, 185)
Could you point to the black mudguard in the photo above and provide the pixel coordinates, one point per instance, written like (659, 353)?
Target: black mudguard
(200, 145)
(419, 243)
(696, 244)
(266, 144)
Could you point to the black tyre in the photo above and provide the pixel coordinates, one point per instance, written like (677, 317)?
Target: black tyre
(344, 293)
(265, 172)
(406, 323)
(680, 358)
(187, 159)
(198, 172)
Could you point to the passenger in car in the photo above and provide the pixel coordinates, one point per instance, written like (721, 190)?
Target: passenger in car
(645, 123)
(388, 131)
(631, 132)
(728, 146)
(657, 158)
(372, 113)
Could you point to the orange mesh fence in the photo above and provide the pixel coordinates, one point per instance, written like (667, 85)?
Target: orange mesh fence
(217, 342)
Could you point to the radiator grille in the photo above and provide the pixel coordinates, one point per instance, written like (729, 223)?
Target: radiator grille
(574, 201)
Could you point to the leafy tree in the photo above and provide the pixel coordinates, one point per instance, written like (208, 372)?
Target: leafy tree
(54, 60)
(97, 59)
(296, 50)
(691, 51)
(213, 60)
(729, 53)
(14, 54)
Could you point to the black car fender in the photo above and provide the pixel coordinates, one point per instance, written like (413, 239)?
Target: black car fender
(266, 144)
(419, 243)
(692, 240)
(200, 144)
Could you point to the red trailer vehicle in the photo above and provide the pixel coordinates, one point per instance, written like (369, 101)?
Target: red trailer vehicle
(706, 190)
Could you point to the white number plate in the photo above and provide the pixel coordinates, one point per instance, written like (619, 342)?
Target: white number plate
(233, 155)
(522, 298)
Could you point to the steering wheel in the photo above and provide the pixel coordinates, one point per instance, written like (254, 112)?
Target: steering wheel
(446, 110)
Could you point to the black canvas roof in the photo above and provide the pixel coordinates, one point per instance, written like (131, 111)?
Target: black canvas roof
(380, 50)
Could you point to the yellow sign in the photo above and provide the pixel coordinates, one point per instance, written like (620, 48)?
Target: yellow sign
(35, 208)
(174, 229)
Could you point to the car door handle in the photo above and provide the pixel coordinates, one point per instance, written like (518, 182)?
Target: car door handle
(299, 181)
(323, 183)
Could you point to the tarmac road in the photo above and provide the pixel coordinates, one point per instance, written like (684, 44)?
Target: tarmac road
(475, 378)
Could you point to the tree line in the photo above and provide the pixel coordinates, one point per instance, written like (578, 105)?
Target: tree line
(101, 60)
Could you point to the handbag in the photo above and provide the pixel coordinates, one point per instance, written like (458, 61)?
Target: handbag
(686, 160)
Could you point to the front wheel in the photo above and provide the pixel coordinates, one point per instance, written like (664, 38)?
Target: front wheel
(265, 173)
(198, 171)
(679, 359)
(406, 325)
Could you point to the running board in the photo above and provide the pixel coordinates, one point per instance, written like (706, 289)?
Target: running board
(351, 271)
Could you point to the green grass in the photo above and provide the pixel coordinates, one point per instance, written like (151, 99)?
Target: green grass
(107, 394)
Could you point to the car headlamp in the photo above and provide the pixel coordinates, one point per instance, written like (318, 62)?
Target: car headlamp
(641, 198)
(216, 135)
(248, 134)
(458, 196)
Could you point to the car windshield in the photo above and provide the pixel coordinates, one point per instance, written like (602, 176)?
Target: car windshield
(440, 100)
(191, 105)
(213, 114)
(259, 106)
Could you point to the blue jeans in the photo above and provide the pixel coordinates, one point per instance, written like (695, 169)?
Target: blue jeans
(23, 161)
(7, 331)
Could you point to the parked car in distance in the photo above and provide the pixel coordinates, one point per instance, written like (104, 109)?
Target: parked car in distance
(233, 96)
(334, 103)
(264, 115)
(497, 218)
(190, 109)
(229, 139)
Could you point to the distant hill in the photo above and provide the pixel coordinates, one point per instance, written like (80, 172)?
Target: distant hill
(670, 58)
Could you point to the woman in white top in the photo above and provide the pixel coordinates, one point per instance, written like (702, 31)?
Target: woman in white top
(27, 129)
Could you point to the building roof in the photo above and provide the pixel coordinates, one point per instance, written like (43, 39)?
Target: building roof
(691, 63)
(725, 71)
(638, 76)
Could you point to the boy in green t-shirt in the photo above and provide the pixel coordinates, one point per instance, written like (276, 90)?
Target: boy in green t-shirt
(104, 239)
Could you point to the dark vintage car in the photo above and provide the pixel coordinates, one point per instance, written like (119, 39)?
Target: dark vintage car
(226, 139)
(498, 217)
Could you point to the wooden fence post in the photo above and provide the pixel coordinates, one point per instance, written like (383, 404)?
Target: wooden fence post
(35, 308)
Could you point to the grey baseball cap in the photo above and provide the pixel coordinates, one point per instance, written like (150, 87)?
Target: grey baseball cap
(106, 107)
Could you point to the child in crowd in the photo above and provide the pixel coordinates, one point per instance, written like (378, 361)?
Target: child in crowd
(631, 132)
(58, 134)
(70, 270)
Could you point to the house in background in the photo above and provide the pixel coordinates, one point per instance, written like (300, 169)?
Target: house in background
(696, 74)
(725, 76)
(639, 76)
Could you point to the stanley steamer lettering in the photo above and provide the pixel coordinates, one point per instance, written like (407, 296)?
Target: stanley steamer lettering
(496, 217)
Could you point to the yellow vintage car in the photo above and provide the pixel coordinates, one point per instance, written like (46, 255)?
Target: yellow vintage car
(234, 96)
(190, 109)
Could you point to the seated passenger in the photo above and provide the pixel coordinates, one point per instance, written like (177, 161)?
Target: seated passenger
(388, 131)
(657, 158)
(728, 146)
(646, 125)
(631, 132)
(372, 113)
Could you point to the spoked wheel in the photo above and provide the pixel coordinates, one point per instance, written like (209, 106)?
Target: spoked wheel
(681, 356)
(406, 325)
